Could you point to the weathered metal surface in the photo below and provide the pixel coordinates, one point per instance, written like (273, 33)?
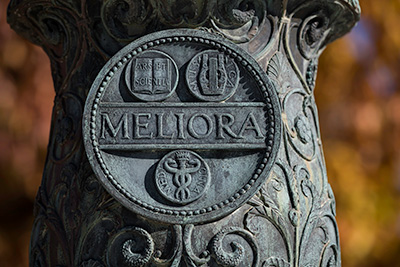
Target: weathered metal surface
(204, 149)
(289, 221)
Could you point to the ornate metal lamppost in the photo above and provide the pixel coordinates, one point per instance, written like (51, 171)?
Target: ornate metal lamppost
(184, 132)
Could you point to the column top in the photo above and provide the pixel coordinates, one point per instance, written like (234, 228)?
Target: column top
(52, 22)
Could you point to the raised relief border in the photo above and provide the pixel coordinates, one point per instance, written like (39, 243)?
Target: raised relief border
(182, 140)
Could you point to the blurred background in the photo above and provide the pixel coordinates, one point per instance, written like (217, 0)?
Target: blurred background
(358, 95)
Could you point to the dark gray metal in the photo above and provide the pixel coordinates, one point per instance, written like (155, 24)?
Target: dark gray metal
(209, 147)
(127, 136)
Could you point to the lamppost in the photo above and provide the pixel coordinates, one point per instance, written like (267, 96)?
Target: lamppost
(184, 133)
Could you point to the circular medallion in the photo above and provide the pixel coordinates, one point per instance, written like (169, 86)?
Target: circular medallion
(182, 176)
(171, 132)
(212, 76)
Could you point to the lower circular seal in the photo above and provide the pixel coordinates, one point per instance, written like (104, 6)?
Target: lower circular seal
(182, 176)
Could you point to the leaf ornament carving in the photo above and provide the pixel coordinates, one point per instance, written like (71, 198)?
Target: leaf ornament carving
(264, 209)
(305, 215)
(330, 257)
(264, 205)
(275, 262)
(277, 70)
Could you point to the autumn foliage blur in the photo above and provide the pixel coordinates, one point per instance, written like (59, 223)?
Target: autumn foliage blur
(358, 94)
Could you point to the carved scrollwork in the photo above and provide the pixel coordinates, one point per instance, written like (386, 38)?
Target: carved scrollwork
(312, 33)
(184, 13)
(67, 132)
(239, 20)
(130, 247)
(177, 249)
(182, 250)
(300, 125)
(190, 255)
(126, 19)
(237, 255)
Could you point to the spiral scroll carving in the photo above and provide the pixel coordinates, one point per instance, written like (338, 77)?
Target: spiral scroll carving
(236, 256)
(131, 247)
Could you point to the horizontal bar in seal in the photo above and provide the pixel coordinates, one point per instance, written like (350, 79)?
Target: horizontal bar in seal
(138, 147)
(181, 105)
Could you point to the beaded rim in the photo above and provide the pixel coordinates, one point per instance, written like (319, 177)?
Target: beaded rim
(273, 125)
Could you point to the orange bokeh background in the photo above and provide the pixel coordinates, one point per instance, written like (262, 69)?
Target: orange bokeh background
(358, 95)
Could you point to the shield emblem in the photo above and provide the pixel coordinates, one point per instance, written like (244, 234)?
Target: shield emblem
(151, 76)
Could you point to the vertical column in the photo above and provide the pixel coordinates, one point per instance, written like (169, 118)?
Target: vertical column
(287, 220)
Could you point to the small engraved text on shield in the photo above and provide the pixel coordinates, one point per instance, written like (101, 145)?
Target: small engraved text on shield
(152, 76)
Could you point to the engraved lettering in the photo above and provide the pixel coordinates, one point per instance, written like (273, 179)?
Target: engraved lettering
(179, 117)
(141, 125)
(192, 73)
(142, 65)
(225, 125)
(194, 128)
(152, 76)
(160, 127)
(161, 76)
(143, 76)
(250, 124)
(180, 126)
(113, 131)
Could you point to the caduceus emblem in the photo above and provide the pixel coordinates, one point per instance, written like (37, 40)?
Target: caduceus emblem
(182, 168)
(182, 176)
